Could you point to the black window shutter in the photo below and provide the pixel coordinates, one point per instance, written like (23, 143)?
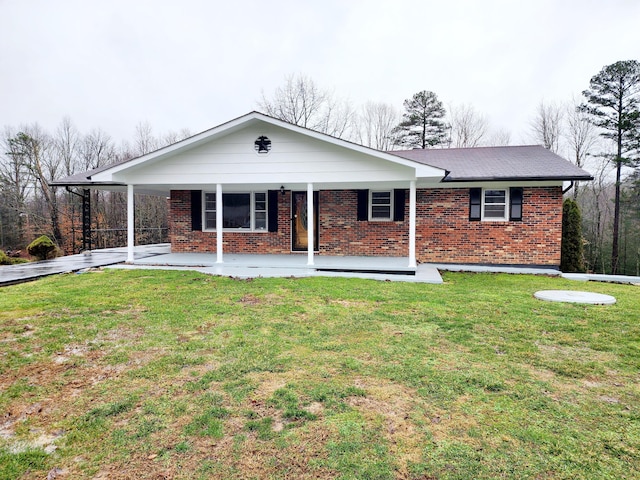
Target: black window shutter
(475, 204)
(273, 210)
(363, 205)
(196, 209)
(515, 204)
(398, 204)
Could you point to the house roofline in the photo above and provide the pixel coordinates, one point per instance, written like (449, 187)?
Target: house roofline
(203, 136)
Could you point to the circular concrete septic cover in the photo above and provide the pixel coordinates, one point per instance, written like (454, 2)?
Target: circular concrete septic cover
(574, 297)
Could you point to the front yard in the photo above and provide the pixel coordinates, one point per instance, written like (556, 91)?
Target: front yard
(152, 374)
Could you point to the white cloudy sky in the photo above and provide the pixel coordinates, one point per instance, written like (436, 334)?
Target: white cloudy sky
(193, 64)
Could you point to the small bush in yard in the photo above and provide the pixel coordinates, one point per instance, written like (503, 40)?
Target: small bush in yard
(43, 248)
(4, 258)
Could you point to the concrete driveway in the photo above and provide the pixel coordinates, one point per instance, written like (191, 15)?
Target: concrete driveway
(25, 272)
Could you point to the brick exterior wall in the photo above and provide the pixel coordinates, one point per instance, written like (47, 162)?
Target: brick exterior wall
(444, 233)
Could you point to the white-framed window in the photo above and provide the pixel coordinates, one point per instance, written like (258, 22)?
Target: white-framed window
(495, 204)
(381, 205)
(242, 211)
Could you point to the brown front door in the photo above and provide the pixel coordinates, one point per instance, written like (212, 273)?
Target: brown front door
(299, 221)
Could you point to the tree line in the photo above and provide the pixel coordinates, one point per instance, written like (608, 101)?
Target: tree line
(31, 157)
(598, 131)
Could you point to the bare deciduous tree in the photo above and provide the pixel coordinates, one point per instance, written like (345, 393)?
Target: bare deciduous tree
(65, 144)
(301, 102)
(546, 126)
(595, 204)
(174, 137)
(34, 147)
(468, 127)
(144, 140)
(96, 149)
(14, 185)
(376, 124)
(581, 136)
(499, 138)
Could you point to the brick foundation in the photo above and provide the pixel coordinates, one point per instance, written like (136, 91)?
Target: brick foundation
(444, 233)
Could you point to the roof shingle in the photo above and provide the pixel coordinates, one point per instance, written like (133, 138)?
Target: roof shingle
(528, 162)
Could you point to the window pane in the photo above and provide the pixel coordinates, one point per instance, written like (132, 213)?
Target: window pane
(236, 210)
(378, 211)
(210, 220)
(495, 196)
(210, 201)
(261, 220)
(261, 205)
(261, 197)
(494, 211)
(380, 198)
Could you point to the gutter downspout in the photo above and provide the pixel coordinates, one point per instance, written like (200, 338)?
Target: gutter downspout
(568, 188)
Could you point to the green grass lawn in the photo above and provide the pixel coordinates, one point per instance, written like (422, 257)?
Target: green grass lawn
(157, 374)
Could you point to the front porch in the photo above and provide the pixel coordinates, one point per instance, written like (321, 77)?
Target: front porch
(252, 266)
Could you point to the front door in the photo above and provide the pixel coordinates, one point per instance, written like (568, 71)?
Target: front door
(299, 239)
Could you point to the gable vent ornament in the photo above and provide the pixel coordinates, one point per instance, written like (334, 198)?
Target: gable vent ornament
(262, 145)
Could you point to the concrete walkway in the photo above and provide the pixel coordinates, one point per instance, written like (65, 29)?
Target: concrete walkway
(26, 272)
(594, 277)
(552, 272)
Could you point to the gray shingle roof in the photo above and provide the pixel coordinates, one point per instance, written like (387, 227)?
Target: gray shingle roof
(84, 178)
(529, 162)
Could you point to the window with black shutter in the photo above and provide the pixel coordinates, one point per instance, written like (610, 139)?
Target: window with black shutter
(363, 205)
(515, 208)
(196, 210)
(475, 204)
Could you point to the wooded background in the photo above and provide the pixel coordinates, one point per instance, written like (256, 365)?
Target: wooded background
(30, 157)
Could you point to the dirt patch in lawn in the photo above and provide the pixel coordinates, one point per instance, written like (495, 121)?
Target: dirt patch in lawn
(398, 407)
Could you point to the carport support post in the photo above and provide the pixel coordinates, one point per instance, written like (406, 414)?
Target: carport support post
(310, 224)
(130, 225)
(412, 224)
(219, 218)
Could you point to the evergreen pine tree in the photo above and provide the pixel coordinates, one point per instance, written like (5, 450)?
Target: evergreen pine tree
(422, 124)
(613, 104)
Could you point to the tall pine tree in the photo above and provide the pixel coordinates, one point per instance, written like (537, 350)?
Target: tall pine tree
(613, 104)
(422, 124)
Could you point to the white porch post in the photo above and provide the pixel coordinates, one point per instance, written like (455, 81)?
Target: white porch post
(310, 224)
(219, 223)
(131, 240)
(412, 224)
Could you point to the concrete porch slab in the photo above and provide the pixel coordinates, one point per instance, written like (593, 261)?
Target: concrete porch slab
(423, 274)
(295, 261)
(269, 266)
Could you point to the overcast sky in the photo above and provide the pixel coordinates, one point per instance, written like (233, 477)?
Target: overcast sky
(194, 64)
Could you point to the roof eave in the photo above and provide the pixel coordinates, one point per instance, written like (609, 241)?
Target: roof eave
(517, 179)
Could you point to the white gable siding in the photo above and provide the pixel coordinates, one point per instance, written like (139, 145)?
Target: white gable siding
(232, 159)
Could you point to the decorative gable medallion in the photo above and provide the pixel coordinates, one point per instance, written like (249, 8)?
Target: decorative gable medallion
(262, 145)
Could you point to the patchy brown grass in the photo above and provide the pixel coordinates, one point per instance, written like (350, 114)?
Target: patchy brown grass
(108, 376)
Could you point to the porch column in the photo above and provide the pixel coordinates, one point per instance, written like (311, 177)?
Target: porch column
(219, 223)
(131, 240)
(310, 223)
(412, 224)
